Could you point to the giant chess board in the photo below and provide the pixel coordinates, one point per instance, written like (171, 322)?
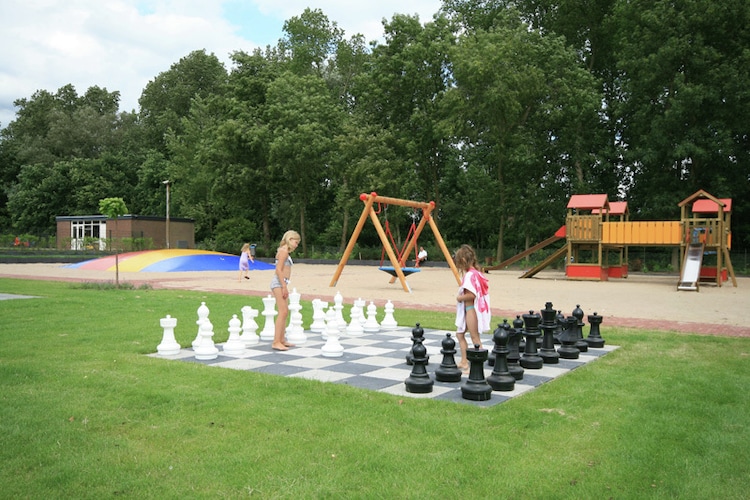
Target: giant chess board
(377, 362)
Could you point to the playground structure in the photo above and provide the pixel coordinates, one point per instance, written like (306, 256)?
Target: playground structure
(398, 267)
(598, 233)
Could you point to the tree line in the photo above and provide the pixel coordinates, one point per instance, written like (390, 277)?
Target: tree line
(498, 111)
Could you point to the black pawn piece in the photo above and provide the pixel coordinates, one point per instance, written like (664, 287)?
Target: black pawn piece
(514, 354)
(568, 350)
(595, 339)
(419, 381)
(549, 322)
(581, 344)
(416, 333)
(448, 371)
(500, 379)
(476, 387)
(530, 358)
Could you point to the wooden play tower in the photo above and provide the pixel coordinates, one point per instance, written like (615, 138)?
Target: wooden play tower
(597, 234)
(397, 268)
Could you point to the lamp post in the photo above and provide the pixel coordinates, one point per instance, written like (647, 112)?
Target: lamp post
(166, 183)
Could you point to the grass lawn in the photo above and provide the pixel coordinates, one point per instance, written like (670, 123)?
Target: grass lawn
(84, 413)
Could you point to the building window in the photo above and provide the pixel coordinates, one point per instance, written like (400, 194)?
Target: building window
(88, 234)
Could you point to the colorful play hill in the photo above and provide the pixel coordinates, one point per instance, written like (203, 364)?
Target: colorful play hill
(170, 260)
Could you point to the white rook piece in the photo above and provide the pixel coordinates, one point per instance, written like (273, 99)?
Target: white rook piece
(168, 346)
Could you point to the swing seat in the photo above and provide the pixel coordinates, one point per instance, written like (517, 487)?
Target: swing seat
(406, 270)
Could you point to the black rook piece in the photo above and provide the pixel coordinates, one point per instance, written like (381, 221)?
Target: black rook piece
(476, 387)
(448, 371)
(595, 339)
(568, 350)
(419, 381)
(500, 379)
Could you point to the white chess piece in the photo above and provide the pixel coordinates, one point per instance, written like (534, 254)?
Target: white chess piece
(338, 306)
(371, 324)
(168, 346)
(206, 348)
(249, 326)
(319, 316)
(332, 348)
(389, 322)
(294, 332)
(202, 316)
(269, 313)
(234, 346)
(355, 328)
(362, 304)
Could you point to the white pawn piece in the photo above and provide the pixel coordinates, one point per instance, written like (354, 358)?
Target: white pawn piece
(206, 348)
(319, 316)
(362, 304)
(249, 326)
(355, 328)
(294, 332)
(332, 348)
(389, 322)
(168, 346)
(234, 346)
(371, 324)
(269, 313)
(202, 316)
(338, 306)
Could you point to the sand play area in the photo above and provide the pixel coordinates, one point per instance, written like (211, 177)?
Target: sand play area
(640, 301)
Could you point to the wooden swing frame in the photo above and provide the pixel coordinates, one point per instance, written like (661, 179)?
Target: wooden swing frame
(427, 208)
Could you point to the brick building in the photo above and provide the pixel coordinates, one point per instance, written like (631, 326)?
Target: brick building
(77, 232)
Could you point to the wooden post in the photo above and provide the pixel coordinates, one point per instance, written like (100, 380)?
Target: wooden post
(353, 240)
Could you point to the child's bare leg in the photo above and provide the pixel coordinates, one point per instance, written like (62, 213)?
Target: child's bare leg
(472, 326)
(280, 326)
(461, 336)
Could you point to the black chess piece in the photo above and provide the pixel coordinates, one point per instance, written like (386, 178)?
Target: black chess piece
(595, 339)
(568, 349)
(476, 387)
(419, 380)
(500, 379)
(416, 333)
(514, 355)
(530, 358)
(518, 325)
(560, 321)
(581, 344)
(549, 322)
(448, 371)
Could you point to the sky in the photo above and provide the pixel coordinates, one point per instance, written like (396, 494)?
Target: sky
(121, 45)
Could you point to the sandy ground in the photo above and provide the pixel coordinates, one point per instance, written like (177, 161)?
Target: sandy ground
(641, 301)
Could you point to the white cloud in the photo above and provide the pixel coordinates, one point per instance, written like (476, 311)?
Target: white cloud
(123, 44)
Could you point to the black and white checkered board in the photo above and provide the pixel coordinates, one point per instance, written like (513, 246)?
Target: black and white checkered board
(377, 362)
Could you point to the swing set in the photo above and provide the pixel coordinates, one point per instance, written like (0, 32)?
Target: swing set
(397, 269)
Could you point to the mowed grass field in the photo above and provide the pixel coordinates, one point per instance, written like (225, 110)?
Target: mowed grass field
(85, 413)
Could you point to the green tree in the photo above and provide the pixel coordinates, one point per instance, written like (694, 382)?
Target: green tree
(114, 208)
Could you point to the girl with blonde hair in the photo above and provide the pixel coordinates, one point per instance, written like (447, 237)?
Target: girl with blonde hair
(279, 287)
(473, 302)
